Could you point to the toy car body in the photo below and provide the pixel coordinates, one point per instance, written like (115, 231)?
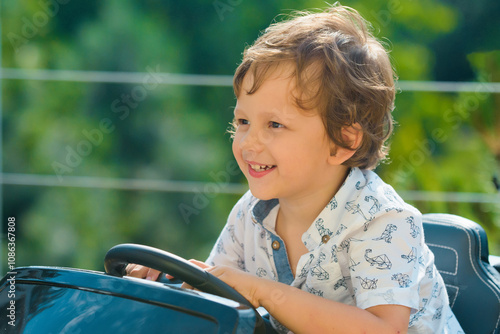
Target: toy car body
(63, 300)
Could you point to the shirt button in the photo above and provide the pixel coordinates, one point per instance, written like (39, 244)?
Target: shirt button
(325, 238)
(276, 245)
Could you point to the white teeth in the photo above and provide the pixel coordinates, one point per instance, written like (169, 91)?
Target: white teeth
(261, 168)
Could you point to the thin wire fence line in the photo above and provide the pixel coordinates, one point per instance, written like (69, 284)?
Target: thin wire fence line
(121, 183)
(449, 197)
(200, 187)
(216, 80)
(116, 77)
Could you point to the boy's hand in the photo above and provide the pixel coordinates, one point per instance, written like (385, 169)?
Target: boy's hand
(200, 264)
(242, 282)
(139, 271)
(136, 270)
(249, 286)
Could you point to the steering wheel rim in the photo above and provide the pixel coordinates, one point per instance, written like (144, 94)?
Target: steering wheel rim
(119, 256)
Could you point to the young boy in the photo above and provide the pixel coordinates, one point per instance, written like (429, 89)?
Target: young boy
(321, 241)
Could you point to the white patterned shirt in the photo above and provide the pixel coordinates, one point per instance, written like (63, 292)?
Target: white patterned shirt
(366, 248)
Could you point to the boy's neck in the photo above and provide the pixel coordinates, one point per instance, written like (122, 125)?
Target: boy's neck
(300, 213)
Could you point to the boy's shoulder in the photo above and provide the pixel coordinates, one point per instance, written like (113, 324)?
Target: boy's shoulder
(367, 184)
(364, 192)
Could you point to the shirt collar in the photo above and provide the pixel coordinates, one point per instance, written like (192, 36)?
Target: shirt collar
(327, 224)
(261, 213)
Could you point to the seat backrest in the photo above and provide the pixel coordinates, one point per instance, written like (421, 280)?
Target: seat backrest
(461, 254)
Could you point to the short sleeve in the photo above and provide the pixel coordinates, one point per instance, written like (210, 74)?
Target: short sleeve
(389, 260)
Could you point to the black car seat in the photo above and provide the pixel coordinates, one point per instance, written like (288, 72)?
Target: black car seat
(461, 254)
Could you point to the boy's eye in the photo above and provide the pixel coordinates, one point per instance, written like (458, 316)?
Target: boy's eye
(242, 121)
(275, 125)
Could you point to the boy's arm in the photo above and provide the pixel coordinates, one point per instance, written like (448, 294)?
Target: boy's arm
(303, 312)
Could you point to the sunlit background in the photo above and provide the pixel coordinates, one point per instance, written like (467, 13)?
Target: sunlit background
(114, 117)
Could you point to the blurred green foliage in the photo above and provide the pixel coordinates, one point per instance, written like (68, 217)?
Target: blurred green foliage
(444, 141)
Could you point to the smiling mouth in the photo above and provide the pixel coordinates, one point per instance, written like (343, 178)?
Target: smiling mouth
(261, 168)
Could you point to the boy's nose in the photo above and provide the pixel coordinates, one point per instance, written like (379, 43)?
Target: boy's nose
(253, 140)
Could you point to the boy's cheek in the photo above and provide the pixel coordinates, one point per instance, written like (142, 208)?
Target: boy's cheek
(236, 150)
(238, 157)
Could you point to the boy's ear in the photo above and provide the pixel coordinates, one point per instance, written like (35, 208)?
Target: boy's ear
(351, 134)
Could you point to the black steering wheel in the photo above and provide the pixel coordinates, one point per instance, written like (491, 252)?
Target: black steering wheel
(118, 257)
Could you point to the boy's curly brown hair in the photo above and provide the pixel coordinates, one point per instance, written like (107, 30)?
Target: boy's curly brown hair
(341, 70)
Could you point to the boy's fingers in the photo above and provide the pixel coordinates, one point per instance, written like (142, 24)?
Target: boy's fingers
(139, 271)
(152, 274)
(130, 267)
(135, 270)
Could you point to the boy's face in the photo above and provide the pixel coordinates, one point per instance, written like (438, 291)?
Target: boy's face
(284, 152)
